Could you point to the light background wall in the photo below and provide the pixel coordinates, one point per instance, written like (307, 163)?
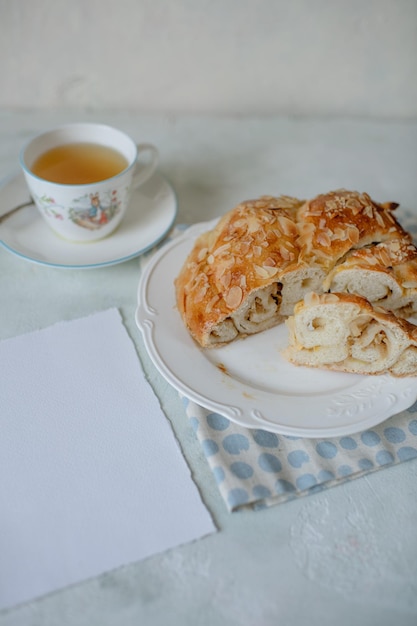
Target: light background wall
(320, 57)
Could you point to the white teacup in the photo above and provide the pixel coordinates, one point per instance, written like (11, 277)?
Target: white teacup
(85, 211)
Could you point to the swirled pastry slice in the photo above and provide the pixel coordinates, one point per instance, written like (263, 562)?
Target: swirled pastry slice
(385, 273)
(229, 285)
(346, 333)
(330, 226)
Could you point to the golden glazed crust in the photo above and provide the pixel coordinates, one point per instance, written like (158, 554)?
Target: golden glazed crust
(261, 258)
(332, 224)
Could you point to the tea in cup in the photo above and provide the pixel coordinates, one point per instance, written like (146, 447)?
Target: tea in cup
(80, 177)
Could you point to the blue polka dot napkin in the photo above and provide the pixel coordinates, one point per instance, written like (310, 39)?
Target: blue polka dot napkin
(256, 468)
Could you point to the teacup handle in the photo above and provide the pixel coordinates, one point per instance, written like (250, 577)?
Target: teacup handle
(145, 171)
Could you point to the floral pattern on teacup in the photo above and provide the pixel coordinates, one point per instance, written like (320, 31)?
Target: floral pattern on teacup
(94, 210)
(50, 207)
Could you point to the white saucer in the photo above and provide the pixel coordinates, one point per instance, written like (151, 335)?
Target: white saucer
(151, 213)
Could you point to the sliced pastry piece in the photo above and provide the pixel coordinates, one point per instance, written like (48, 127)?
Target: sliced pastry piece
(345, 332)
(229, 284)
(330, 226)
(385, 273)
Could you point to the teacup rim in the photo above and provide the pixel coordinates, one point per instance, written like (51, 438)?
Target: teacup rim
(61, 127)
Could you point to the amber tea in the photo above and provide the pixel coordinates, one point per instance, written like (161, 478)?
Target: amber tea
(79, 163)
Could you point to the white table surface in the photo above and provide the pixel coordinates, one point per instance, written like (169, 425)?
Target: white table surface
(347, 555)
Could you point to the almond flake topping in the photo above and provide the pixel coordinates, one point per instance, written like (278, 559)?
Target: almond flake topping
(288, 227)
(311, 298)
(379, 219)
(233, 297)
(265, 271)
(330, 298)
(212, 302)
(324, 240)
(225, 280)
(353, 234)
(368, 211)
(202, 254)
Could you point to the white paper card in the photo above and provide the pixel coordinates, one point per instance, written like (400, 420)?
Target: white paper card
(91, 476)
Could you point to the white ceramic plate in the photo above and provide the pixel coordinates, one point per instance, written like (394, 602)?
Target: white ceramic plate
(248, 381)
(149, 217)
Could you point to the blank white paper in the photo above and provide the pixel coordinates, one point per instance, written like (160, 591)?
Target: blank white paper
(91, 476)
